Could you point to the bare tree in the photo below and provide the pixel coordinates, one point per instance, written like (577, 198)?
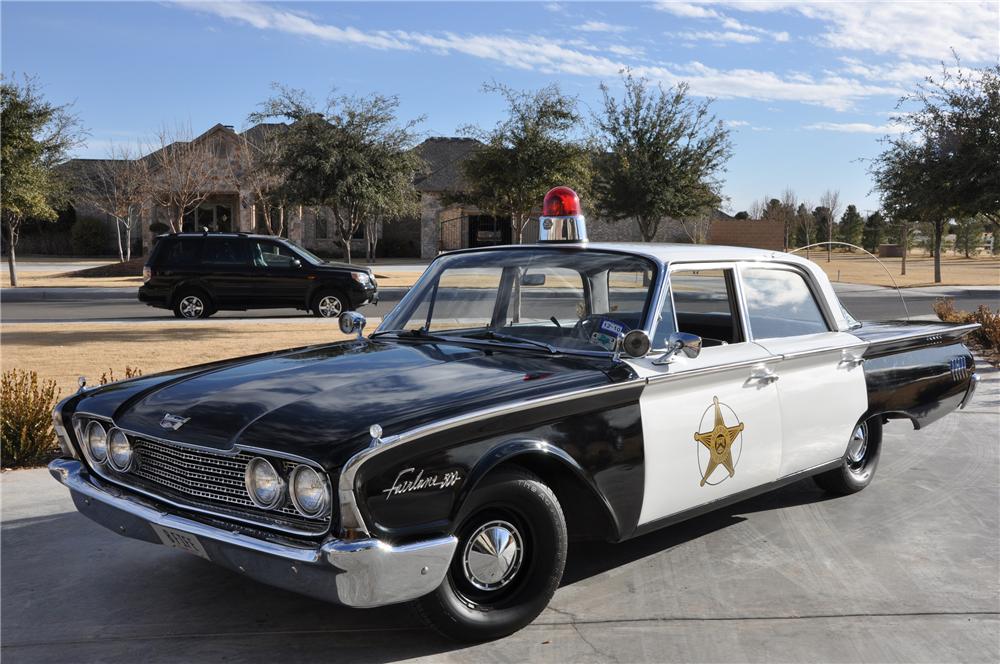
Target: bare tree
(255, 167)
(180, 172)
(789, 204)
(831, 201)
(118, 186)
(697, 227)
(757, 208)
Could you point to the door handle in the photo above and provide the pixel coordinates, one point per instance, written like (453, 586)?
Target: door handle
(851, 359)
(763, 374)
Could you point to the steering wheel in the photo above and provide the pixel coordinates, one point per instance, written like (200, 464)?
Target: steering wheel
(586, 326)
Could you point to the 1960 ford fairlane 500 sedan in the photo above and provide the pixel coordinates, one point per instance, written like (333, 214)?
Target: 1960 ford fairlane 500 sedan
(517, 396)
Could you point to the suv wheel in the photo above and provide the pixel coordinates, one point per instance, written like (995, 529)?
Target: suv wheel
(192, 304)
(508, 563)
(329, 304)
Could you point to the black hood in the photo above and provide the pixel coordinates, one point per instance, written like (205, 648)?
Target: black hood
(319, 402)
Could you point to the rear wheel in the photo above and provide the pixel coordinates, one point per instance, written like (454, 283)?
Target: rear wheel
(857, 469)
(329, 304)
(192, 304)
(508, 563)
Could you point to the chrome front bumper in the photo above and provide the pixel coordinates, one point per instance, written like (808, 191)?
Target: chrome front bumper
(359, 573)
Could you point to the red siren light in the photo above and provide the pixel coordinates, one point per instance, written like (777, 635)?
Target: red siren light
(561, 202)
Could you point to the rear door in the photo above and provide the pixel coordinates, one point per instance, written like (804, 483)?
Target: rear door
(711, 424)
(225, 264)
(821, 384)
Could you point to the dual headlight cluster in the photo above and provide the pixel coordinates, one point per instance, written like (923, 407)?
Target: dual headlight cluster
(108, 447)
(305, 487)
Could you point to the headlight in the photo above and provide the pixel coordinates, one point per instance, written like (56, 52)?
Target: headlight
(119, 450)
(310, 493)
(264, 484)
(362, 278)
(96, 440)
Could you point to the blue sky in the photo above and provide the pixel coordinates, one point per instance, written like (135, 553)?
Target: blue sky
(806, 87)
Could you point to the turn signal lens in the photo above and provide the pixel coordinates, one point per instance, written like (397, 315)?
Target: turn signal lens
(310, 493)
(96, 440)
(561, 202)
(264, 484)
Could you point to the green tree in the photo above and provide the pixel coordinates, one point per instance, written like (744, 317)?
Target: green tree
(742, 214)
(874, 230)
(851, 226)
(350, 154)
(35, 136)
(662, 155)
(525, 154)
(945, 165)
(968, 234)
(822, 221)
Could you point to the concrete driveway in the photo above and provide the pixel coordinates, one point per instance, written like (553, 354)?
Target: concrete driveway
(907, 570)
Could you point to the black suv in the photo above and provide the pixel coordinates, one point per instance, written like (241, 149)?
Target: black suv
(197, 274)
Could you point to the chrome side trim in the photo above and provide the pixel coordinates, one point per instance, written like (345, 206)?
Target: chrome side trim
(950, 332)
(820, 351)
(973, 384)
(350, 514)
(360, 573)
(719, 368)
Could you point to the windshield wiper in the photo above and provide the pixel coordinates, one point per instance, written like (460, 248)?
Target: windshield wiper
(411, 334)
(500, 336)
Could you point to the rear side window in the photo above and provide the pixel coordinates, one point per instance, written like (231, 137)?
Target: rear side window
(225, 251)
(781, 304)
(178, 253)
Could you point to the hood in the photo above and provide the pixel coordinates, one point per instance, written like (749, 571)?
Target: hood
(318, 402)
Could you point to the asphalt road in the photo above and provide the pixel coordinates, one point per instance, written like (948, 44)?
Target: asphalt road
(908, 570)
(78, 305)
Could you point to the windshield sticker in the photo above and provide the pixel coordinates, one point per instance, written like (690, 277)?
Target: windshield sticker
(612, 327)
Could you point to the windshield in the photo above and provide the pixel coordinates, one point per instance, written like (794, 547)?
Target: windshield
(560, 299)
(305, 253)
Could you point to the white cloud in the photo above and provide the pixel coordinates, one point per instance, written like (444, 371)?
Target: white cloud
(908, 29)
(719, 37)
(857, 127)
(537, 53)
(686, 9)
(737, 123)
(626, 51)
(700, 10)
(556, 7)
(601, 26)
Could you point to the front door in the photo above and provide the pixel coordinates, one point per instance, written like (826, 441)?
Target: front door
(711, 424)
(280, 276)
(821, 384)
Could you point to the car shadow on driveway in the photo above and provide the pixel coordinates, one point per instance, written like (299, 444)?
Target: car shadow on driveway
(73, 591)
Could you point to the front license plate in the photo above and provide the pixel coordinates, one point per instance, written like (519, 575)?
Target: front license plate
(180, 540)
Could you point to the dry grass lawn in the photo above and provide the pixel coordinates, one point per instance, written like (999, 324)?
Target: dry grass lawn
(65, 351)
(56, 280)
(955, 270)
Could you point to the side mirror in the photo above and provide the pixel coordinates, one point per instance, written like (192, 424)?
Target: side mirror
(351, 322)
(680, 342)
(533, 280)
(636, 343)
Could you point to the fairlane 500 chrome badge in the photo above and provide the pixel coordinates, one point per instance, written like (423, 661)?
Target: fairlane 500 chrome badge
(173, 422)
(721, 442)
(411, 479)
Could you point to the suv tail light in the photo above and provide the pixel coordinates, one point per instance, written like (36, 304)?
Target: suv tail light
(146, 273)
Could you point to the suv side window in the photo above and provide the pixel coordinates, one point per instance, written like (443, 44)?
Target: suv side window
(179, 252)
(704, 303)
(224, 251)
(780, 304)
(270, 254)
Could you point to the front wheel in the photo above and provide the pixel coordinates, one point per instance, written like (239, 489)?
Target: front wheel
(857, 469)
(328, 304)
(508, 563)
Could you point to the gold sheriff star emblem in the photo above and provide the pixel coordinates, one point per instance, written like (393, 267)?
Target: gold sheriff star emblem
(719, 442)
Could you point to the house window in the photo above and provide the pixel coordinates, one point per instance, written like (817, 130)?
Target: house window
(321, 228)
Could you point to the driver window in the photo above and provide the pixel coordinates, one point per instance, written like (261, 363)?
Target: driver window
(705, 304)
(269, 254)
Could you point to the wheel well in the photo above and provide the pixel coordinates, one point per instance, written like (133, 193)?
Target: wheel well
(329, 289)
(587, 517)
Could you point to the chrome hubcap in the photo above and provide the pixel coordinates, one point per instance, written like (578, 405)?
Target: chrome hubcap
(859, 444)
(192, 307)
(493, 555)
(330, 306)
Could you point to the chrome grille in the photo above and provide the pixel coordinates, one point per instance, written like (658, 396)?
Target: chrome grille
(211, 481)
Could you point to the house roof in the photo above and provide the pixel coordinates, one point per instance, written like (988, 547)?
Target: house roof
(443, 157)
